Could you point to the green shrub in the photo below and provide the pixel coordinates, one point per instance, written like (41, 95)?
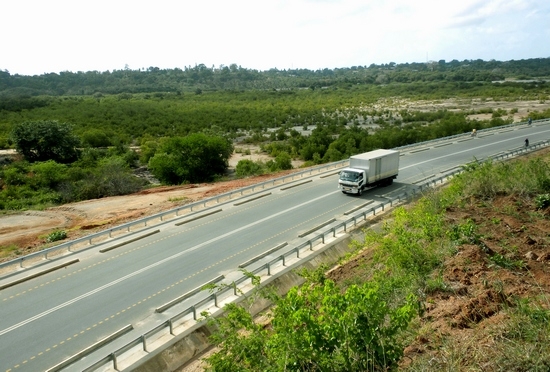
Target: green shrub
(542, 201)
(283, 161)
(194, 158)
(55, 236)
(96, 138)
(247, 168)
(316, 327)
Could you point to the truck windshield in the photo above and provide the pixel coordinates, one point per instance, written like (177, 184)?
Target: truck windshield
(349, 176)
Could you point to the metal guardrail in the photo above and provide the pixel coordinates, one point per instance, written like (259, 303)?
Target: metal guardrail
(214, 299)
(88, 241)
(480, 133)
(59, 250)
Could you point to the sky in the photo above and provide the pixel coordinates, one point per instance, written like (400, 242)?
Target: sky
(45, 36)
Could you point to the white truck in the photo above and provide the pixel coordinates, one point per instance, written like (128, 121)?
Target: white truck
(370, 169)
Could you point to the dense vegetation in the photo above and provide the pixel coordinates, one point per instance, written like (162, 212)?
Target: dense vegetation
(201, 78)
(129, 104)
(84, 125)
(364, 324)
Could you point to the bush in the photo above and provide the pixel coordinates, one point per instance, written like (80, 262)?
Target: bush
(195, 158)
(247, 168)
(48, 174)
(96, 138)
(55, 236)
(283, 161)
(111, 177)
(316, 327)
(542, 201)
(46, 140)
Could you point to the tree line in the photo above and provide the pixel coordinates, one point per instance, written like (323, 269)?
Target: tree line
(234, 77)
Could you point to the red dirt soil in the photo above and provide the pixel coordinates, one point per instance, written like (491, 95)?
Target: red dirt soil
(27, 230)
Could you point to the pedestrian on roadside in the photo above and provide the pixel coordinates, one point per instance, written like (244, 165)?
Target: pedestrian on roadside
(526, 142)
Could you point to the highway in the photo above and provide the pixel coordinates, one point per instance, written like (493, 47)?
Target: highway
(47, 319)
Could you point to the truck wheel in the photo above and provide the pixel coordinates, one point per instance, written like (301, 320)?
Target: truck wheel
(360, 192)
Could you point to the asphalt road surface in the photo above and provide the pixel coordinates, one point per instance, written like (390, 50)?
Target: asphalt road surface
(45, 320)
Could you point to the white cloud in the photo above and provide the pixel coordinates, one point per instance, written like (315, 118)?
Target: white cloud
(103, 35)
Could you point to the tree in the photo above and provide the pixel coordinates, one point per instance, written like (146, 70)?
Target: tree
(45, 140)
(283, 161)
(195, 158)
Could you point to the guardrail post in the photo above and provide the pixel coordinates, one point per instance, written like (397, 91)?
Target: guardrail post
(115, 364)
(297, 253)
(268, 269)
(194, 312)
(171, 325)
(215, 299)
(144, 341)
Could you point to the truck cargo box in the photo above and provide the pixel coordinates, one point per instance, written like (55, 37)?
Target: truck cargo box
(378, 164)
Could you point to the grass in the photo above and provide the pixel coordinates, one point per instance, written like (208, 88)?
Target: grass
(9, 250)
(178, 199)
(413, 250)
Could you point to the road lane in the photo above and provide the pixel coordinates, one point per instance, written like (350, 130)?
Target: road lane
(47, 319)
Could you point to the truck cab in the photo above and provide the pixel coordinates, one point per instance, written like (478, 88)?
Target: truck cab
(370, 169)
(352, 180)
